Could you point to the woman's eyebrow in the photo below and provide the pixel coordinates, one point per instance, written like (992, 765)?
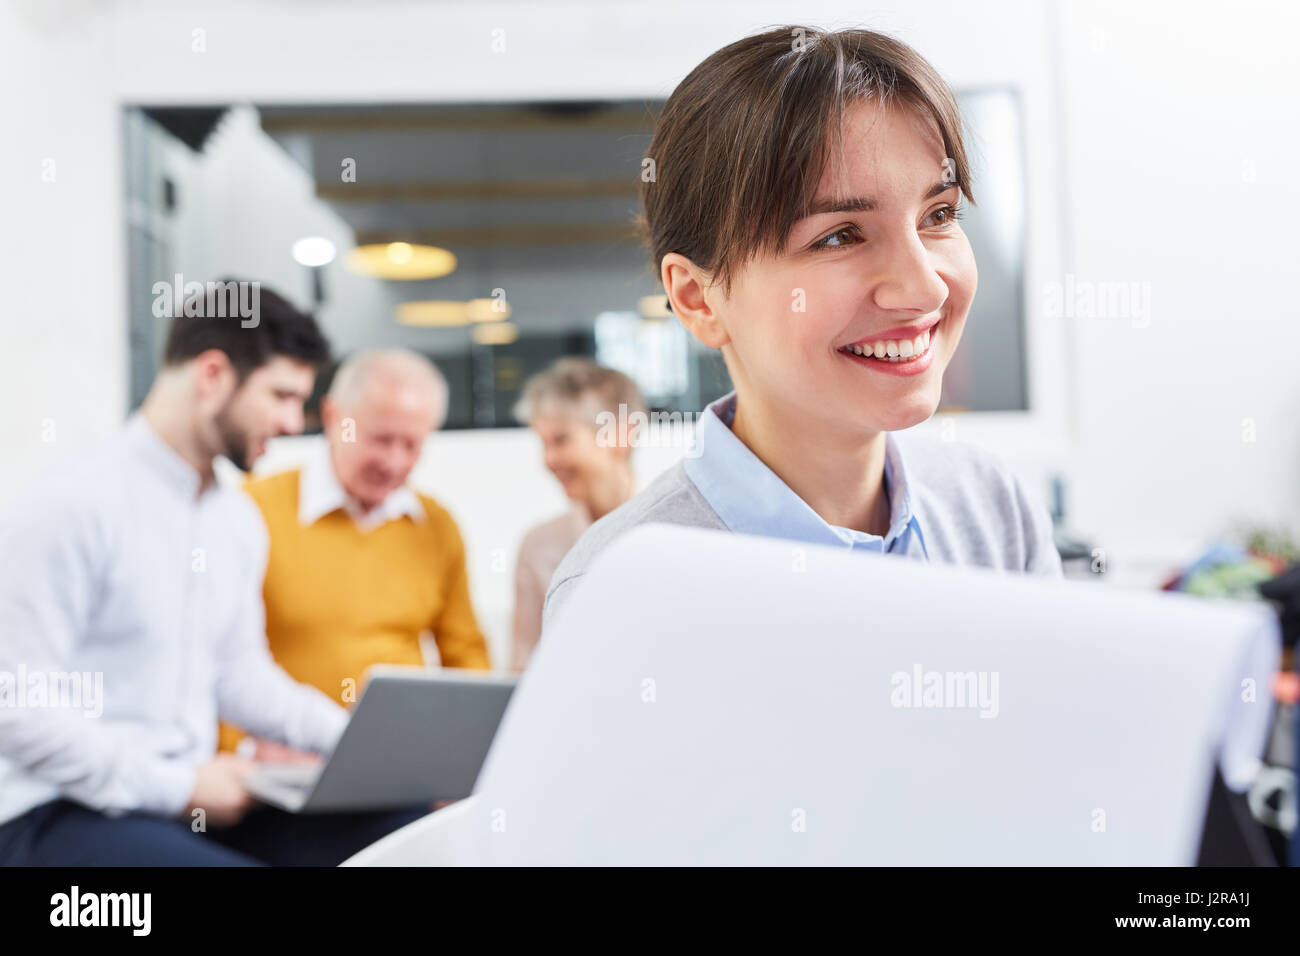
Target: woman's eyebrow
(831, 204)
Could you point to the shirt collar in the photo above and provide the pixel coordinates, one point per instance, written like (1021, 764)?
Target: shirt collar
(751, 499)
(164, 460)
(319, 494)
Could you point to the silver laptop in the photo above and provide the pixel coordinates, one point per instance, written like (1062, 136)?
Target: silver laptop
(415, 737)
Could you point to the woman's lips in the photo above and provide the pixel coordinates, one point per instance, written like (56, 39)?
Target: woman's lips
(897, 334)
(913, 366)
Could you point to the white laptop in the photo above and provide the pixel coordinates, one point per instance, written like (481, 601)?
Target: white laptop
(416, 736)
(708, 698)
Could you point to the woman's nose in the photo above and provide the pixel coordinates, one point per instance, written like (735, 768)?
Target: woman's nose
(909, 280)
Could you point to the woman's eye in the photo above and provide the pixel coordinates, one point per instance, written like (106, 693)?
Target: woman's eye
(832, 241)
(948, 215)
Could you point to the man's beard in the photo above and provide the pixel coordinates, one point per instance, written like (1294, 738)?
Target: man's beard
(234, 440)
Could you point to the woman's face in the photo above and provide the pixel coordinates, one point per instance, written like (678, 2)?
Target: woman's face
(574, 455)
(851, 275)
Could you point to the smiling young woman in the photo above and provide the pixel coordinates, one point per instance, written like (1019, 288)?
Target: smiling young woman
(804, 219)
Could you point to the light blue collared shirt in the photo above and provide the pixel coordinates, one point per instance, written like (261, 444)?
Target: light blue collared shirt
(720, 463)
(953, 503)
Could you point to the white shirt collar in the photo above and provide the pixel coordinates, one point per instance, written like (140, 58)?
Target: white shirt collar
(319, 494)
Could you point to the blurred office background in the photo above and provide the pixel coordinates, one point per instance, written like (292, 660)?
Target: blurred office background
(1117, 145)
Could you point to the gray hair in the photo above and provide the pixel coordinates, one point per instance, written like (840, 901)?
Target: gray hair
(359, 370)
(581, 388)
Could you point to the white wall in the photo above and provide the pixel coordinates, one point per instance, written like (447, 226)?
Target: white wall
(1140, 120)
(63, 360)
(1183, 121)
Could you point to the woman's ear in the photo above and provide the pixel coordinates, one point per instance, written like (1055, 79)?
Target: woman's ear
(686, 285)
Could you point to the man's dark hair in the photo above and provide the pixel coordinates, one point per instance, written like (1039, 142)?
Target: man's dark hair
(212, 320)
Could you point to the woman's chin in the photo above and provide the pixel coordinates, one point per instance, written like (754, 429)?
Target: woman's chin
(905, 413)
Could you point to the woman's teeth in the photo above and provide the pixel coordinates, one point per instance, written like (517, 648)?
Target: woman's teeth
(891, 350)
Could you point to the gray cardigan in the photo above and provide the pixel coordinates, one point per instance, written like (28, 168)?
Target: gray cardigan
(972, 509)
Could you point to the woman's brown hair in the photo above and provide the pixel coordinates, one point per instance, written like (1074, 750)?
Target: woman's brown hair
(740, 146)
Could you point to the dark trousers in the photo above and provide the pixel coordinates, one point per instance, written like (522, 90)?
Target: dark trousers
(63, 833)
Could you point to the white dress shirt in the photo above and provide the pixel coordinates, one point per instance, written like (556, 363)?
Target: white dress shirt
(115, 564)
(319, 494)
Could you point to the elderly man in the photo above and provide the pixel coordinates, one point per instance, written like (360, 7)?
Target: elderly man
(360, 564)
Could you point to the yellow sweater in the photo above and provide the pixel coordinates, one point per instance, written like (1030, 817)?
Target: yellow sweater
(339, 599)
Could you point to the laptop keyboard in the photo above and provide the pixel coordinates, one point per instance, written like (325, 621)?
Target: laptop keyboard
(300, 776)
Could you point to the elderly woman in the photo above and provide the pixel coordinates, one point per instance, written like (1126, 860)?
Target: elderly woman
(569, 406)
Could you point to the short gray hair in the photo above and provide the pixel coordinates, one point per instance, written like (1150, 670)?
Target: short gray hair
(582, 389)
(360, 369)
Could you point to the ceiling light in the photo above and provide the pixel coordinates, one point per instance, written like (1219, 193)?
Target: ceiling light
(401, 260)
(488, 310)
(495, 333)
(313, 251)
(442, 313)
(433, 313)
